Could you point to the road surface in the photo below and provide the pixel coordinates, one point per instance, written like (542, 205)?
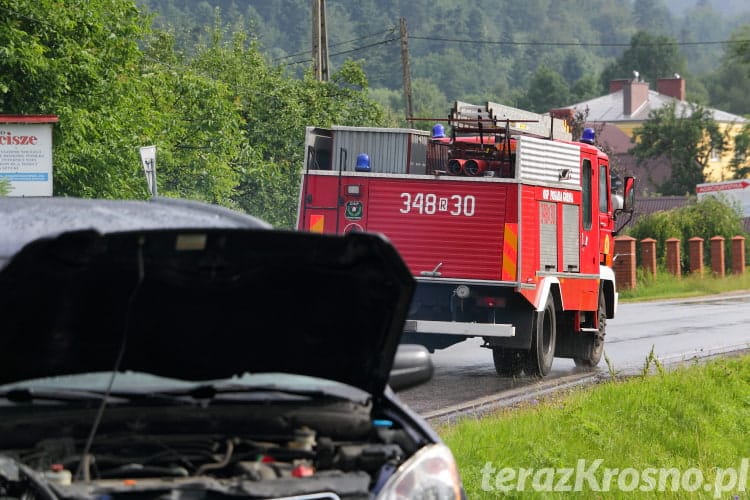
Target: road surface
(676, 330)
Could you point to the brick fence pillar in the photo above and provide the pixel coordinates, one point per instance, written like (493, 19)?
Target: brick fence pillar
(674, 266)
(648, 255)
(695, 254)
(624, 263)
(718, 265)
(738, 255)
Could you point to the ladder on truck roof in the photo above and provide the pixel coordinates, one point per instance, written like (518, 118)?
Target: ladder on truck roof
(465, 117)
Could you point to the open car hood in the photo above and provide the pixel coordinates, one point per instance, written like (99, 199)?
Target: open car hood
(204, 304)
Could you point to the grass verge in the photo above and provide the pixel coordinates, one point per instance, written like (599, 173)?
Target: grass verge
(666, 286)
(682, 430)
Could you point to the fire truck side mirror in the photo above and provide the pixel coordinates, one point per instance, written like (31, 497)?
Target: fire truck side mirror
(629, 195)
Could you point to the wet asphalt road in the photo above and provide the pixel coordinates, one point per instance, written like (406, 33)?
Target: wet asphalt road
(677, 330)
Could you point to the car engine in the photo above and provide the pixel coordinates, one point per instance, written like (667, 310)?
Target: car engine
(343, 456)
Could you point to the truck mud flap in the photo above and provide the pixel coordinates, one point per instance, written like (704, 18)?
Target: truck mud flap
(460, 328)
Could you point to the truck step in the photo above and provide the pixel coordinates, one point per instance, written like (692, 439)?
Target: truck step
(460, 328)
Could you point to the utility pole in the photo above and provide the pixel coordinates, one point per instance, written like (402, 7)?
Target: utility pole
(320, 40)
(405, 66)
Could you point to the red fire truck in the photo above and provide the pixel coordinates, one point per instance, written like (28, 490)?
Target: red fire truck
(506, 223)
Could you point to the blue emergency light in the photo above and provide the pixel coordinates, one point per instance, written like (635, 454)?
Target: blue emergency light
(363, 163)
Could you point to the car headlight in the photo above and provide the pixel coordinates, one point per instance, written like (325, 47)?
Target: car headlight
(430, 474)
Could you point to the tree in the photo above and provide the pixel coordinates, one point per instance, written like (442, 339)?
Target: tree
(686, 138)
(740, 162)
(728, 85)
(465, 47)
(547, 90)
(652, 16)
(702, 23)
(195, 123)
(392, 102)
(69, 54)
(429, 101)
(79, 61)
(586, 87)
(652, 56)
(229, 127)
(740, 48)
(274, 110)
(189, 116)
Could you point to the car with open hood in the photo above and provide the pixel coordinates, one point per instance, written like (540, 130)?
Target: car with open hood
(171, 349)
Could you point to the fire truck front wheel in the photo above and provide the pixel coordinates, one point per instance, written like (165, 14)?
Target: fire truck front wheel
(543, 337)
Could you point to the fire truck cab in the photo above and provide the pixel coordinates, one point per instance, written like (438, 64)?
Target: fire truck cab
(507, 225)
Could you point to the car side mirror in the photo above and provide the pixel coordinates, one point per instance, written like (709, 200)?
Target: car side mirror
(412, 366)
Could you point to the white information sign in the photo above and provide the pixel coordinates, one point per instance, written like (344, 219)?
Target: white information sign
(26, 158)
(148, 160)
(735, 191)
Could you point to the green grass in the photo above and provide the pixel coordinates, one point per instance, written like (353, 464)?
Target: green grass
(692, 417)
(666, 286)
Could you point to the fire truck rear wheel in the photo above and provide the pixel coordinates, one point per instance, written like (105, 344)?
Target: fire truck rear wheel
(543, 337)
(593, 346)
(508, 362)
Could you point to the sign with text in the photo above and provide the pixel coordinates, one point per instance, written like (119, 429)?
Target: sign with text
(733, 191)
(26, 158)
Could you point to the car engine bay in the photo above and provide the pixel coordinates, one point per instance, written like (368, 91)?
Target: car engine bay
(287, 451)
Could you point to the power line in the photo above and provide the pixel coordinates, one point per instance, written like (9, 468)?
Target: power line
(356, 49)
(390, 30)
(572, 44)
(498, 42)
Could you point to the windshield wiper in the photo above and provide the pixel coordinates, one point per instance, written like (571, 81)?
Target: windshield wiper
(254, 392)
(27, 395)
(199, 394)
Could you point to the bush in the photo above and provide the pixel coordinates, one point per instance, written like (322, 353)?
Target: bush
(705, 219)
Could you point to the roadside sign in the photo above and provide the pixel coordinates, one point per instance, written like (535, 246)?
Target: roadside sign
(734, 191)
(26, 154)
(148, 159)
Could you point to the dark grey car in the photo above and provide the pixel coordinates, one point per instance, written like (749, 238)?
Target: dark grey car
(171, 349)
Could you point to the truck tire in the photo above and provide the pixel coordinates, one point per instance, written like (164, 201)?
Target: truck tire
(592, 346)
(508, 362)
(543, 337)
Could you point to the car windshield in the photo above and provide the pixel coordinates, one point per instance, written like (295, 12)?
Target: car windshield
(145, 383)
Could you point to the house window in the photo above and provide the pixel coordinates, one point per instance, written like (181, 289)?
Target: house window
(715, 154)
